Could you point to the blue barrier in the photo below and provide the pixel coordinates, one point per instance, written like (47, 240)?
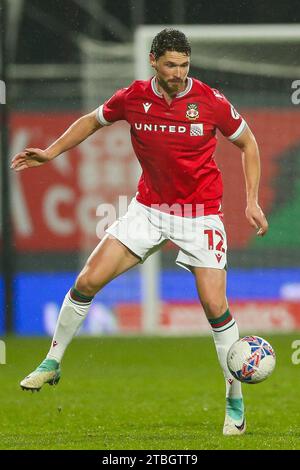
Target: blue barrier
(39, 295)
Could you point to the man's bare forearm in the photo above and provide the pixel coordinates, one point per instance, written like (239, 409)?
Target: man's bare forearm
(74, 135)
(251, 167)
(251, 164)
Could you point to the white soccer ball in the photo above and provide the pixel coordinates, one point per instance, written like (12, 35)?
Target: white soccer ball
(251, 359)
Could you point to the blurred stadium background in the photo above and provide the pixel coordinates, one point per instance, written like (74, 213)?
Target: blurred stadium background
(62, 59)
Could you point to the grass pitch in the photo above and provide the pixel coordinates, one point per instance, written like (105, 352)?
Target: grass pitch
(143, 393)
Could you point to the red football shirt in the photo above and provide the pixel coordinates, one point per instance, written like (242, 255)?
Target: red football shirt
(175, 143)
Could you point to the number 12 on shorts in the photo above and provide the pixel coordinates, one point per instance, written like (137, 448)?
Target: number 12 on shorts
(215, 240)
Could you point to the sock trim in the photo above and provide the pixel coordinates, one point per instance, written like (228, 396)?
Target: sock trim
(80, 297)
(220, 330)
(220, 321)
(81, 304)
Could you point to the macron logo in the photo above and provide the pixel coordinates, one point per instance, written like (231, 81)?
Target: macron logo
(147, 106)
(219, 257)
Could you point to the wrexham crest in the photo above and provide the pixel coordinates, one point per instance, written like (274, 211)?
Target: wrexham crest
(192, 112)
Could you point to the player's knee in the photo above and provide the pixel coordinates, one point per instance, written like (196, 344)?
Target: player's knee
(87, 285)
(214, 308)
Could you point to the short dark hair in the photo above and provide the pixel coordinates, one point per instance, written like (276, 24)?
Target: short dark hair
(170, 39)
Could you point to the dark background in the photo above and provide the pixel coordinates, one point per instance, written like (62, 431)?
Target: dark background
(53, 23)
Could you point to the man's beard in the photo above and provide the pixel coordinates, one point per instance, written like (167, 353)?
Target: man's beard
(170, 85)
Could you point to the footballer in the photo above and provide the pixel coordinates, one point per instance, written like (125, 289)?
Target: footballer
(173, 121)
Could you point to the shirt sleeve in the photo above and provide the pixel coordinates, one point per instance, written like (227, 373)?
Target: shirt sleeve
(228, 120)
(113, 109)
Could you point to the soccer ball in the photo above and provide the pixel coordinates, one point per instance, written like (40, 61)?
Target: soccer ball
(251, 359)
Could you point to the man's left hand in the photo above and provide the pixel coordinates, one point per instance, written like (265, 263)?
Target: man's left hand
(257, 219)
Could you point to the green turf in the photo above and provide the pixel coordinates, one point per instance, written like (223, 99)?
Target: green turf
(143, 393)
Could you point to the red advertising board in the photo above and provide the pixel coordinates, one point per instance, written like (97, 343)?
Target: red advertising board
(189, 318)
(54, 206)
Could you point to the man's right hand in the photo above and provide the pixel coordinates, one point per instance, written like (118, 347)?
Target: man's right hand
(29, 158)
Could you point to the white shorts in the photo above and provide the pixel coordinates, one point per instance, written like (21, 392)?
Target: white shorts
(202, 240)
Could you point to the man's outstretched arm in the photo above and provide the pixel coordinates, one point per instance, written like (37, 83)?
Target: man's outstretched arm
(251, 166)
(76, 133)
